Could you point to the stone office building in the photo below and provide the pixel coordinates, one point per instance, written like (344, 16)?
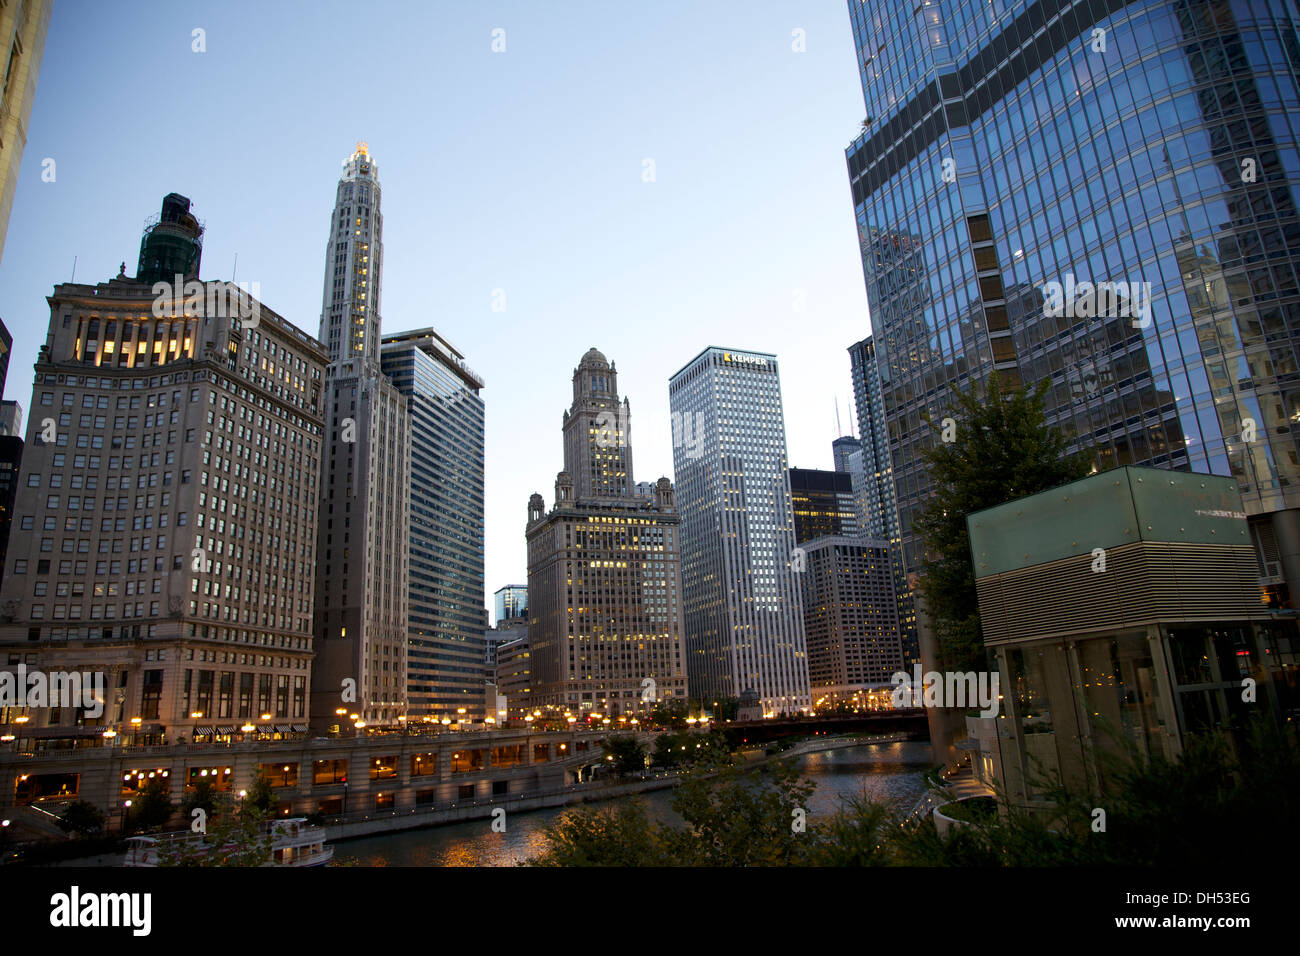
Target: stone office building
(165, 515)
(604, 578)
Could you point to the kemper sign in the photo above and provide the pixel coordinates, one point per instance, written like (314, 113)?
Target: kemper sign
(743, 359)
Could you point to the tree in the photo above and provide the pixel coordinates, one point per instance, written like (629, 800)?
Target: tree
(82, 818)
(153, 808)
(235, 836)
(1002, 449)
(628, 753)
(608, 836)
(201, 795)
(260, 796)
(739, 818)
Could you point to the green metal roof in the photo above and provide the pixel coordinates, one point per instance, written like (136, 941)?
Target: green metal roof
(1104, 511)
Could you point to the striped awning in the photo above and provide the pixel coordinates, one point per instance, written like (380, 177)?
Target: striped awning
(299, 728)
(203, 731)
(223, 731)
(283, 728)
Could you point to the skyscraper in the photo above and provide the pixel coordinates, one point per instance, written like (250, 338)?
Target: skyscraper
(363, 575)
(744, 619)
(511, 601)
(823, 503)
(1169, 123)
(446, 656)
(850, 618)
(881, 514)
(23, 25)
(165, 518)
(842, 448)
(604, 579)
(875, 469)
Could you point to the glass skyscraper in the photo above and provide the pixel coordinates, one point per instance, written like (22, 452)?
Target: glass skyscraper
(511, 602)
(445, 653)
(1014, 154)
(744, 617)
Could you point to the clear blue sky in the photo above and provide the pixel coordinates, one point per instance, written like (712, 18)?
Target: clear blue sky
(519, 171)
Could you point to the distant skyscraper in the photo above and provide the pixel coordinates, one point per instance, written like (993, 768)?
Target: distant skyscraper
(6, 347)
(874, 486)
(511, 602)
(823, 504)
(842, 448)
(23, 25)
(850, 618)
(882, 516)
(446, 652)
(165, 530)
(604, 579)
(363, 575)
(744, 620)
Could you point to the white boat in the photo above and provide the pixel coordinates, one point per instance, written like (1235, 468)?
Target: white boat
(294, 843)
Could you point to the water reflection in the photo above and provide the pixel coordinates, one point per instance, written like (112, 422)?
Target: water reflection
(888, 773)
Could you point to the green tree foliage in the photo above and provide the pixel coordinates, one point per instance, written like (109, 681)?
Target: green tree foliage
(1003, 450)
(236, 836)
(607, 836)
(742, 818)
(261, 796)
(153, 808)
(674, 750)
(83, 819)
(1187, 812)
(202, 795)
(629, 754)
(669, 713)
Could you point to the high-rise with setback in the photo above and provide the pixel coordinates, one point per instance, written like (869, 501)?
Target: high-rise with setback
(744, 618)
(363, 574)
(604, 580)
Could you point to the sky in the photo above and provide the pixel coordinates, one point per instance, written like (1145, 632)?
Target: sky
(647, 179)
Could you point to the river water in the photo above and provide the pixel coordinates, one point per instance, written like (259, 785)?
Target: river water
(889, 773)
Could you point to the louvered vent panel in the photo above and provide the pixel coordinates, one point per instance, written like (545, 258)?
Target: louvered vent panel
(1144, 583)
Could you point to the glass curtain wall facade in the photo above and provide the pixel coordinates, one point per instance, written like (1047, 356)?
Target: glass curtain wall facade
(446, 652)
(1011, 146)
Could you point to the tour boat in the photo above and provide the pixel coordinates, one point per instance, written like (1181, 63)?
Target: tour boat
(295, 843)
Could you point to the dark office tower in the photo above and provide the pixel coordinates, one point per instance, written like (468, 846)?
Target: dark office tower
(445, 658)
(604, 579)
(363, 575)
(842, 449)
(172, 244)
(1024, 155)
(6, 346)
(823, 504)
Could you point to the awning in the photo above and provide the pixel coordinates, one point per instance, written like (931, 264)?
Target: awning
(299, 728)
(283, 729)
(203, 732)
(224, 731)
